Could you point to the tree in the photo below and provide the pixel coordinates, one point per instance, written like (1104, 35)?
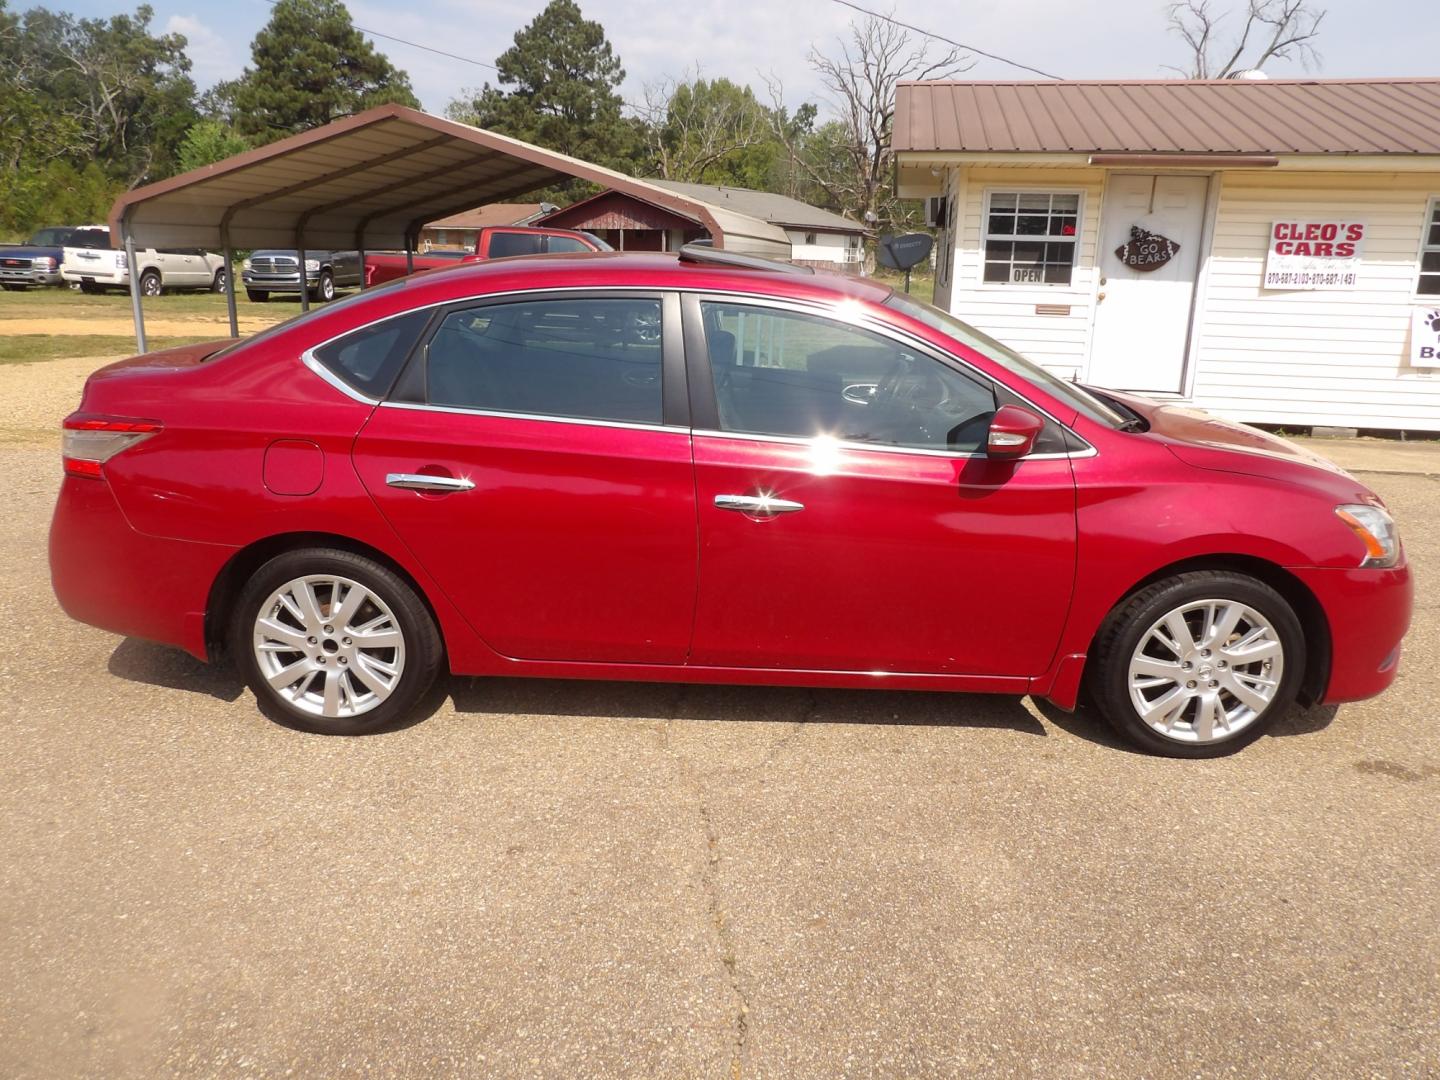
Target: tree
(849, 159)
(127, 91)
(558, 88)
(1279, 29)
(209, 141)
(310, 66)
(713, 132)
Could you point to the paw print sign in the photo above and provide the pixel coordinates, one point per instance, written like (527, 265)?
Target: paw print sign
(1146, 250)
(1425, 337)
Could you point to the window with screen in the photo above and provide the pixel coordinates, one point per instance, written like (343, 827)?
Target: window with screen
(503, 244)
(1430, 253)
(370, 358)
(792, 373)
(584, 359)
(1031, 237)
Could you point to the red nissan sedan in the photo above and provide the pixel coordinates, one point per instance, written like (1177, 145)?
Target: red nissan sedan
(709, 468)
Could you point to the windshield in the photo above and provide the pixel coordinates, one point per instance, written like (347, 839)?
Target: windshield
(1080, 399)
(52, 237)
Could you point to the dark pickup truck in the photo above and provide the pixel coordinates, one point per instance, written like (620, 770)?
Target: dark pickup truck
(271, 271)
(38, 262)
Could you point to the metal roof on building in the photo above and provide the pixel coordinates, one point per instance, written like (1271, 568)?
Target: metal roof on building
(767, 206)
(1214, 116)
(483, 217)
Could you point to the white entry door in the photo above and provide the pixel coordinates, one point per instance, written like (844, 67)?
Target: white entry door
(1142, 312)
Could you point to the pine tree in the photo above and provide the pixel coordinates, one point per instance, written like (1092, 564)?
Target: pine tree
(311, 66)
(558, 89)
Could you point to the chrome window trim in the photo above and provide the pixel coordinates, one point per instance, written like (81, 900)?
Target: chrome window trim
(462, 410)
(826, 309)
(310, 360)
(875, 326)
(884, 448)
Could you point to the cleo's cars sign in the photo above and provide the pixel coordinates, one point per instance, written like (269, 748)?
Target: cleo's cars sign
(1314, 254)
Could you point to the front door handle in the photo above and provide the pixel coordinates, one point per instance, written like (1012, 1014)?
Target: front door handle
(424, 482)
(763, 505)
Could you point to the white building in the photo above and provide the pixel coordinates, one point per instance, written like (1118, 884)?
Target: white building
(1268, 250)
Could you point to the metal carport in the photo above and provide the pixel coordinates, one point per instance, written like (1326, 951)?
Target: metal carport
(369, 182)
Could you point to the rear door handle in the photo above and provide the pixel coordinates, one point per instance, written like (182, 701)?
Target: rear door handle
(757, 504)
(423, 482)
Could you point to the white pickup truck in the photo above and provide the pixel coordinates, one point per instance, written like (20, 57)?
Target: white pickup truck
(95, 266)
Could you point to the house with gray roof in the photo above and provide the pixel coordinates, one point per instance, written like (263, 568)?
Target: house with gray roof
(630, 222)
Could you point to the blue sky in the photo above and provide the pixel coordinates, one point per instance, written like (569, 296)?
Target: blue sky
(742, 38)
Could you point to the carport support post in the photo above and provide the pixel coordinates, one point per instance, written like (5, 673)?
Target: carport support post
(229, 256)
(304, 277)
(362, 268)
(409, 256)
(132, 265)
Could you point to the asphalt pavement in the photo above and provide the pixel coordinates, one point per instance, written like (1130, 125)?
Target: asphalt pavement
(551, 879)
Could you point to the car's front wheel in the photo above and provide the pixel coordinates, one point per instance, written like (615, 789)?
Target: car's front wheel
(1198, 665)
(257, 296)
(333, 642)
(325, 290)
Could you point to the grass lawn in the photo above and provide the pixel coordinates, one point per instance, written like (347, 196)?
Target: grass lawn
(28, 348)
(922, 286)
(61, 303)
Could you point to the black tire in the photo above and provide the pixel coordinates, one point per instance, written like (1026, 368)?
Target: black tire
(1108, 672)
(151, 284)
(220, 282)
(325, 289)
(12, 288)
(89, 288)
(256, 296)
(424, 651)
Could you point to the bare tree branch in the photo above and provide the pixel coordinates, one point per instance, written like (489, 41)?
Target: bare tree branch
(1294, 26)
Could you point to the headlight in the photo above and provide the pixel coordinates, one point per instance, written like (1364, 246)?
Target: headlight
(1376, 530)
(312, 266)
(245, 265)
(45, 262)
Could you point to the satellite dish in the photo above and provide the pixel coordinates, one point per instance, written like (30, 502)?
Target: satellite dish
(903, 252)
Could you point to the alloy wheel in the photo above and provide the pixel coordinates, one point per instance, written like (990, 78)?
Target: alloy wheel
(1206, 671)
(150, 285)
(329, 646)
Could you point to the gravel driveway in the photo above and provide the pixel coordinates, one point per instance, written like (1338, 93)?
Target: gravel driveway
(585, 880)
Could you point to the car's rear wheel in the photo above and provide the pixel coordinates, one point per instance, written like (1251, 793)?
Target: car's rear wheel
(333, 642)
(220, 282)
(257, 296)
(1198, 665)
(150, 283)
(89, 288)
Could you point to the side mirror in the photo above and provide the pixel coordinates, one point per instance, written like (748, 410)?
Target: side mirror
(1013, 432)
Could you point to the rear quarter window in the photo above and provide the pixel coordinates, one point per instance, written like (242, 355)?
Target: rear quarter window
(369, 359)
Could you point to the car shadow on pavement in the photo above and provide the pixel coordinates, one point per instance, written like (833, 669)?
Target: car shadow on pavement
(701, 702)
(145, 662)
(1086, 723)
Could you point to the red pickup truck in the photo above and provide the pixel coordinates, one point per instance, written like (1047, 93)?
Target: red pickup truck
(492, 242)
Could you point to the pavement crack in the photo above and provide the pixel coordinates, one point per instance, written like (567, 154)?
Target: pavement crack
(715, 913)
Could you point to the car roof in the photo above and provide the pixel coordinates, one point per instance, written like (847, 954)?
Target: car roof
(635, 269)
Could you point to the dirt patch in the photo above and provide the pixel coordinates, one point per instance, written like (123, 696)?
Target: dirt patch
(34, 398)
(154, 327)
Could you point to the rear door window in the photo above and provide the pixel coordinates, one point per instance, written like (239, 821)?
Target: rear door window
(503, 244)
(596, 359)
(565, 243)
(369, 359)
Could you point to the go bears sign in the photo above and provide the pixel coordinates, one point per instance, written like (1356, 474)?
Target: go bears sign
(1314, 254)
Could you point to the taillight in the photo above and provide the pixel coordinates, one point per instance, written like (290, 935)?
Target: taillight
(90, 441)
